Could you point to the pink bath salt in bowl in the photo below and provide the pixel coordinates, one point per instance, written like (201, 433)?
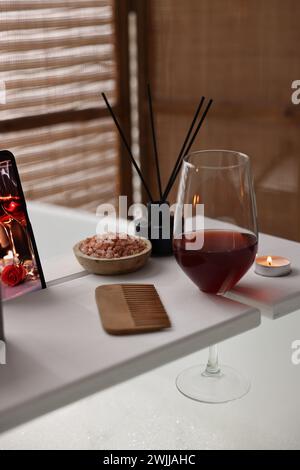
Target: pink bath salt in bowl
(112, 245)
(112, 253)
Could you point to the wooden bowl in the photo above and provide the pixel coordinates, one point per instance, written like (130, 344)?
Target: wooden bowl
(127, 264)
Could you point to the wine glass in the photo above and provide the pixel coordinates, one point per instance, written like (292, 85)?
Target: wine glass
(215, 243)
(6, 188)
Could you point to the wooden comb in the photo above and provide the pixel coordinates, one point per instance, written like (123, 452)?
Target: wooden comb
(130, 308)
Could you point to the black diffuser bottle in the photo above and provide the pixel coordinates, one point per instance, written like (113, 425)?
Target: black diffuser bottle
(158, 227)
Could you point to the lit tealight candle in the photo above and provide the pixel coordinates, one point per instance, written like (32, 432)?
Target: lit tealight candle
(8, 259)
(272, 266)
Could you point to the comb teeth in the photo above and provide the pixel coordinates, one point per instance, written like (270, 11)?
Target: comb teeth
(145, 305)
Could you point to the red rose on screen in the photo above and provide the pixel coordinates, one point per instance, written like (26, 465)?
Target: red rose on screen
(13, 275)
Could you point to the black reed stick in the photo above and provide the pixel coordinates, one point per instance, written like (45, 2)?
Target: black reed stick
(154, 141)
(166, 192)
(127, 147)
(189, 146)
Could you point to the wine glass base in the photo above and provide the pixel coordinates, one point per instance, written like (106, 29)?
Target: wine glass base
(227, 385)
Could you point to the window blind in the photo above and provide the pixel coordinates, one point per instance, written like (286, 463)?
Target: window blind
(56, 57)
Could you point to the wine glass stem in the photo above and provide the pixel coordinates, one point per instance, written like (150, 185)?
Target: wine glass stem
(30, 247)
(212, 367)
(11, 239)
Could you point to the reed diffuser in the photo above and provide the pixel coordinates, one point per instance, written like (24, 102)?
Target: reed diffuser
(160, 234)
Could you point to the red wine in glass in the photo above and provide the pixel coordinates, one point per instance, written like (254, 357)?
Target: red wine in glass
(4, 218)
(222, 260)
(12, 205)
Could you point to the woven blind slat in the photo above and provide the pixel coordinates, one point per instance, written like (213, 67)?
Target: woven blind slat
(29, 140)
(79, 151)
(62, 79)
(57, 41)
(62, 60)
(7, 24)
(65, 168)
(18, 5)
(41, 190)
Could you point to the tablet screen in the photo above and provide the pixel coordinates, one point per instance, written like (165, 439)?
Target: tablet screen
(20, 266)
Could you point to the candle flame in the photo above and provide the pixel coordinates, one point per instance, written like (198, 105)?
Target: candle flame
(196, 199)
(269, 260)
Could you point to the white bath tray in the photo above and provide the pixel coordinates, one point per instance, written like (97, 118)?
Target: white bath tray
(57, 351)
